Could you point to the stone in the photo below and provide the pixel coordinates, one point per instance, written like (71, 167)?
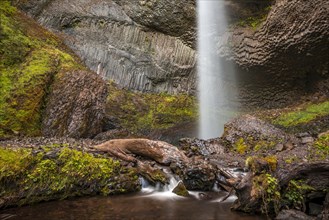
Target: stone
(195, 146)
(76, 105)
(293, 215)
(314, 209)
(304, 134)
(197, 176)
(252, 131)
(279, 147)
(180, 190)
(150, 46)
(204, 196)
(307, 140)
(112, 134)
(288, 145)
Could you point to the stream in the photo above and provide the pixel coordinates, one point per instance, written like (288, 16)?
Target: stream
(151, 203)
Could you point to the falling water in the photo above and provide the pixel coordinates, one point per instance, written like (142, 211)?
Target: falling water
(215, 93)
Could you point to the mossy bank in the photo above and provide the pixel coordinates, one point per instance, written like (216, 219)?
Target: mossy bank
(30, 57)
(146, 112)
(58, 171)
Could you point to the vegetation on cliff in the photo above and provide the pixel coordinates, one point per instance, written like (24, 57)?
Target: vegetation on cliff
(30, 56)
(143, 112)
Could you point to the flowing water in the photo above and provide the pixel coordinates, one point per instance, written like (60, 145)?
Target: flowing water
(151, 203)
(216, 77)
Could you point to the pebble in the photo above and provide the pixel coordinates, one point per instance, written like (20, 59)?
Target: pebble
(307, 140)
(279, 147)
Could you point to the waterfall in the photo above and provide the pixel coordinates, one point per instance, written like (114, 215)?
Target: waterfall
(214, 74)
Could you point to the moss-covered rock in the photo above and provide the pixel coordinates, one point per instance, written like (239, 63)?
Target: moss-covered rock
(180, 190)
(28, 176)
(30, 56)
(313, 117)
(249, 135)
(143, 112)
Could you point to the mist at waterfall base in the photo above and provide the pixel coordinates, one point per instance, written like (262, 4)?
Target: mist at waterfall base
(216, 77)
(153, 202)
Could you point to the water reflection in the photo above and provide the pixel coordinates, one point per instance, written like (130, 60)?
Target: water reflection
(132, 207)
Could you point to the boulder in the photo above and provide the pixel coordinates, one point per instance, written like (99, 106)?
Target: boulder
(198, 175)
(293, 215)
(75, 106)
(248, 133)
(180, 190)
(195, 146)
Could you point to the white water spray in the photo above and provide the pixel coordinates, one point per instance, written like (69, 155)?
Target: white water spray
(214, 92)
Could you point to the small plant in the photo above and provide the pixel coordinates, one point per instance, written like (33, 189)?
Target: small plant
(322, 146)
(295, 193)
(266, 186)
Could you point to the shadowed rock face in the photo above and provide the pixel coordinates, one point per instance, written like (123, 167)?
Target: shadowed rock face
(148, 45)
(282, 58)
(75, 106)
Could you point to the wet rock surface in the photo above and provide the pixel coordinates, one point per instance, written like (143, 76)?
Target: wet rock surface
(195, 146)
(293, 215)
(180, 190)
(76, 105)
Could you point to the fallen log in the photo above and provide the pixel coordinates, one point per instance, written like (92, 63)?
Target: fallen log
(128, 149)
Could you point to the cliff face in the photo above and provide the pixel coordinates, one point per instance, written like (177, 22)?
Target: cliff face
(135, 56)
(276, 47)
(286, 53)
(43, 83)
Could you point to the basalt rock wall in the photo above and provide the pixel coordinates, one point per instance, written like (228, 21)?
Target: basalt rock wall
(279, 53)
(149, 53)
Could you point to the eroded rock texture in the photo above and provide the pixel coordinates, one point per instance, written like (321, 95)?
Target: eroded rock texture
(149, 45)
(75, 105)
(288, 49)
(135, 56)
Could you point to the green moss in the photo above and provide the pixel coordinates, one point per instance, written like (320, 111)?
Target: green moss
(291, 159)
(13, 163)
(29, 58)
(303, 115)
(321, 147)
(31, 178)
(240, 146)
(262, 164)
(264, 145)
(255, 21)
(272, 161)
(146, 112)
(181, 190)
